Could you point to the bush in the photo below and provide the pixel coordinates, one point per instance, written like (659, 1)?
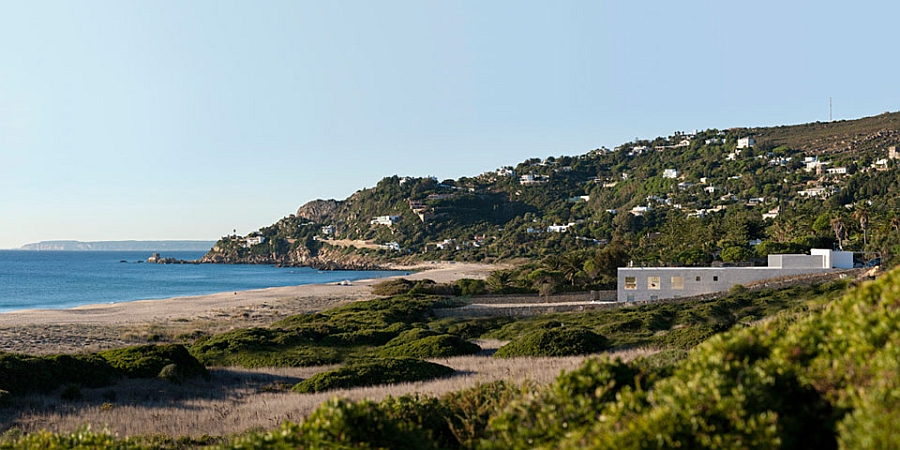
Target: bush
(373, 372)
(26, 373)
(560, 341)
(392, 287)
(439, 346)
(146, 361)
(571, 402)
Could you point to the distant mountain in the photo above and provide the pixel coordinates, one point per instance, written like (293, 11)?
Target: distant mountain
(142, 246)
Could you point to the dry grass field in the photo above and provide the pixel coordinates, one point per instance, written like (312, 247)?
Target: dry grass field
(236, 400)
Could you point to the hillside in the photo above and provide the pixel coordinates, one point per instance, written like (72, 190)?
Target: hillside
(685, 199)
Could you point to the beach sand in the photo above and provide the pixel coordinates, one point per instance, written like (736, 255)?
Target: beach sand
(94, 327)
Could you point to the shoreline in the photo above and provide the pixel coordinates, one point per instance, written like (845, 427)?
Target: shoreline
(97, 326)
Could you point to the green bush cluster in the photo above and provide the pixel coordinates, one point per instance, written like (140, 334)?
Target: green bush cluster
(26, 373)
(557, 341)
(354, 330)
(373, 372)
(402, 286)
(146, 361)
(438, 346)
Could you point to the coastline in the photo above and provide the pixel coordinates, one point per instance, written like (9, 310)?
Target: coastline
(91, 327)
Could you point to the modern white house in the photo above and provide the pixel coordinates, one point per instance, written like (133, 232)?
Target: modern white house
(655, 283)
(385, 220)
(746, 142)
(670, 173)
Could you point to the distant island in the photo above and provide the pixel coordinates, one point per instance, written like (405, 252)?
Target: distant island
(142, 246)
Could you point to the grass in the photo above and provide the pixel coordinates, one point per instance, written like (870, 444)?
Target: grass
(238, 399)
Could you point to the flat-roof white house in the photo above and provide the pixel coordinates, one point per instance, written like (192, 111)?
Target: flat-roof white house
(746, 142)
(655, 283)
(670, 173)
(385, 220)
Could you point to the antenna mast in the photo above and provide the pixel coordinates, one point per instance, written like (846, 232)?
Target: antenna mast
(830, 116)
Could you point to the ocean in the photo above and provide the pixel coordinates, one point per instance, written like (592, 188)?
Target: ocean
(65, 279)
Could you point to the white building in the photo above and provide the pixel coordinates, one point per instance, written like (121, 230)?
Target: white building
(670, 173)
(559, 228)
(746, 142)
(654, 283)
(532, 180)
(385, 220)
(254, 240)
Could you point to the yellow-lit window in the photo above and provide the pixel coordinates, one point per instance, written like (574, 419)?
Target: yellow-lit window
(653, 283)
(677, 283)
(630, 283)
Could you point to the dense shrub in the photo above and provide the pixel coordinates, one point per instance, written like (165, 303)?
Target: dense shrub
(559, 341)
(146, 361)
(438, 346)
(546, 415)
(25, 373)
(395, 286)
(373, 372)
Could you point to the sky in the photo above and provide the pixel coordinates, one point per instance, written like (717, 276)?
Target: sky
(186, 120)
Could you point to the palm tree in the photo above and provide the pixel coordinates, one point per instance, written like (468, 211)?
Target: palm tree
(862, 214)
(837, 224)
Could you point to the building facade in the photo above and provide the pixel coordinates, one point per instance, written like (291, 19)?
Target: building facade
(656, 283)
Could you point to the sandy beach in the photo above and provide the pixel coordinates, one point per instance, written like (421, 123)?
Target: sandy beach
(101, 326)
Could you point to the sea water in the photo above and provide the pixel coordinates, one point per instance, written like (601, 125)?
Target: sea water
(65, 279)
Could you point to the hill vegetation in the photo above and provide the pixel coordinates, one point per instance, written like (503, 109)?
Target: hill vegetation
(685, 199)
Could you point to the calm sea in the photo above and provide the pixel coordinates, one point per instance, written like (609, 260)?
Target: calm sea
(30, 279)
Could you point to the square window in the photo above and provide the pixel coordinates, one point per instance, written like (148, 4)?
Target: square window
(630, 298)
(698, 278)
(653, 283)
(677, 283)
(654, 297)
(631, 283)
(715, 278)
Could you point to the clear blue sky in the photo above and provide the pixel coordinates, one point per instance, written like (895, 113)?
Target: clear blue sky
(185, 120)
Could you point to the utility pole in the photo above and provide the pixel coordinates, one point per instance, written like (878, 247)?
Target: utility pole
(830, 116)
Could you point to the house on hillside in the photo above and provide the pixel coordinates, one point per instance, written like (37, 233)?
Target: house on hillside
(656, 283)
(746, 142)
(385, 220)
(670, 173)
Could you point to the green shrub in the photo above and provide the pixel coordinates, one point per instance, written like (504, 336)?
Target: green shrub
(25, 373)
(397, 286)
(559, 341)
(439, 346)
(545, 416)
(373, 372)
(469, 328)
(146, 361)
(468, 287)
(685, 337)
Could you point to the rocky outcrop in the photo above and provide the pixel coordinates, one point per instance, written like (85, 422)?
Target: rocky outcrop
(328, 258)
(318, 210)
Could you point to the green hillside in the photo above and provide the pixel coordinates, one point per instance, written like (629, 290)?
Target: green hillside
(686, 199)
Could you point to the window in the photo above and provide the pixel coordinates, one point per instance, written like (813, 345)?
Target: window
(631, 283)
(698, 278)
(715, 278)
(654, 297)
(677, 283)
(629, 297)
(653, 283)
